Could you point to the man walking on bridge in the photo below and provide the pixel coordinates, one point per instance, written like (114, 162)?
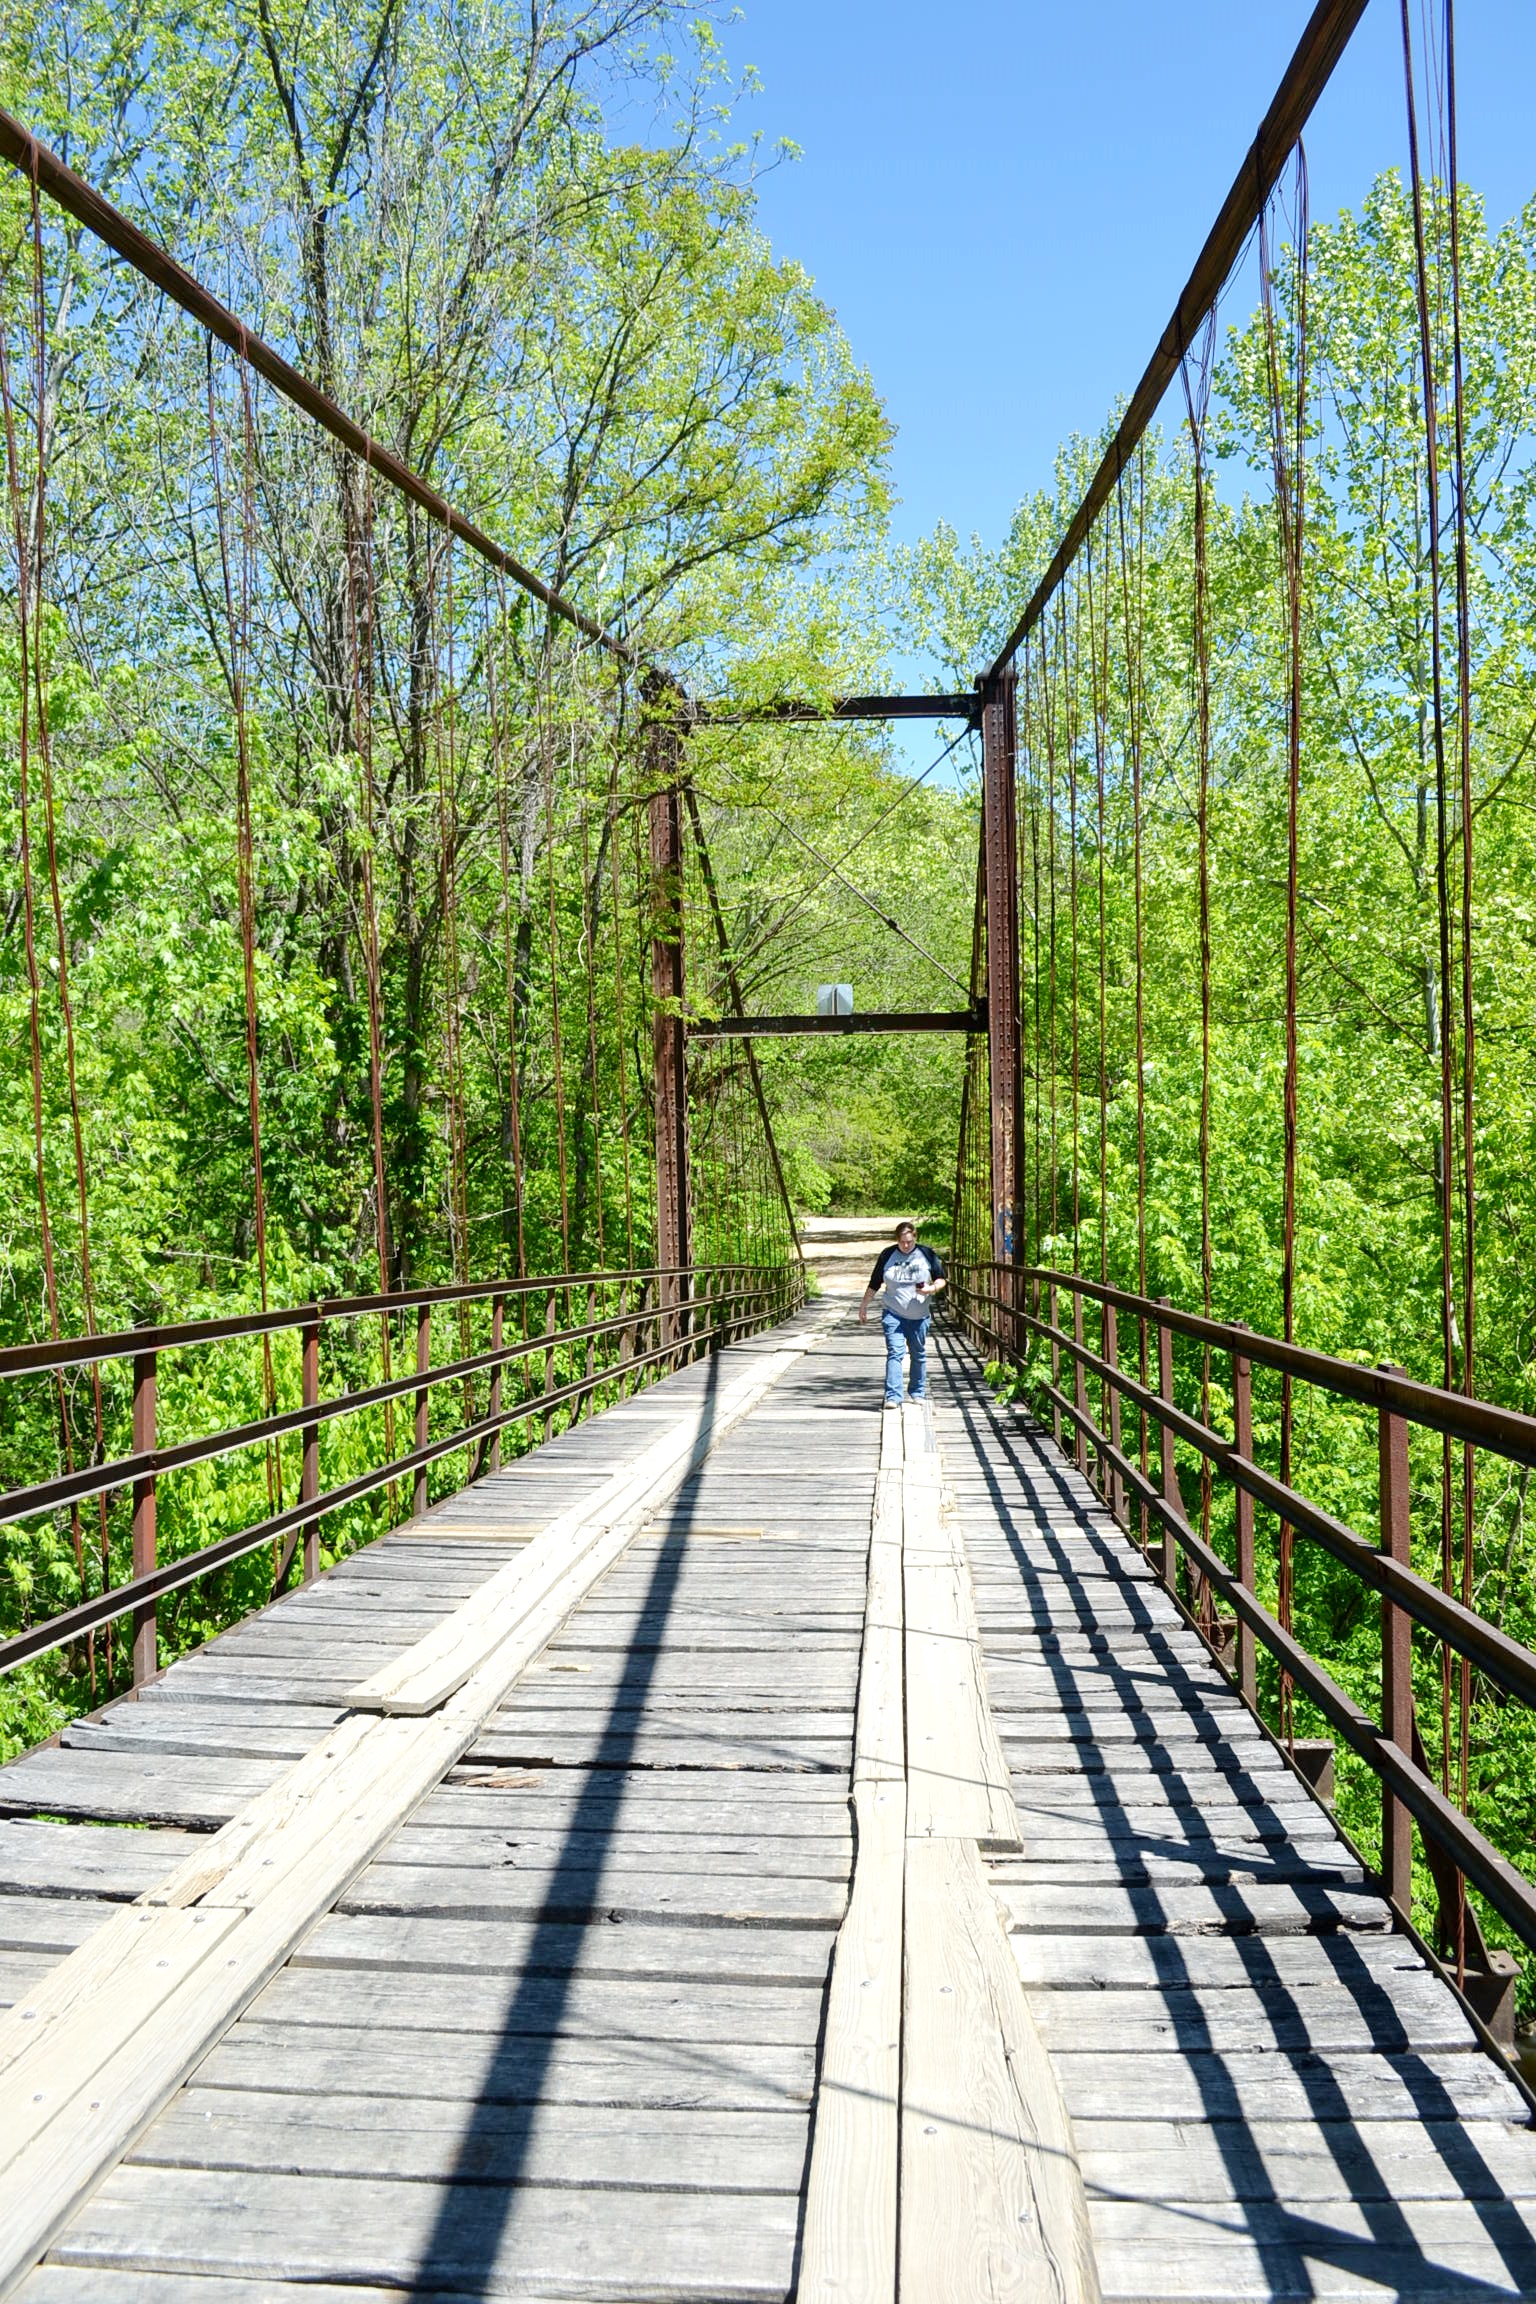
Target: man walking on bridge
(907, 1277)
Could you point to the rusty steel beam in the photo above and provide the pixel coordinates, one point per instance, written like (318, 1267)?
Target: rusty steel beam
(789, 712)
(674, 1240)
(90, 208)
(1324, 41)
(1000, 867)
(876, 1020)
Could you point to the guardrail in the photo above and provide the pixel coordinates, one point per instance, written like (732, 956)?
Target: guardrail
(1003, 1308)
(636, 1326)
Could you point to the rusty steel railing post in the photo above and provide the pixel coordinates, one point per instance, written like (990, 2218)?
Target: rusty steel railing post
(1000, 880)
(309, 1443)
(1170, 1470)
(146, 1642)
(1110, 1419)
(674, 1245)
(1242, 1437)
(550, 1326)
(1053, 1321)
(1396, 1653)
(490, 1460)
(1079, 1384)
(423, 1427)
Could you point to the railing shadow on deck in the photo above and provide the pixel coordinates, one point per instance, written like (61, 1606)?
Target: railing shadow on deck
(1280, 2234)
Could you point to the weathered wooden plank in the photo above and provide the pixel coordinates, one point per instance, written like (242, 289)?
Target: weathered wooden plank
(736, 2248)
(193, 1789)
(604, 2147)
(991, 2200)
(463, 2067)
(1243, 1963)
(618, 1855)
(1257, 2085)
(94, 1860)
(1314, 1862)
(587, 2007)
(405, 1943)
(1325, 2020)
(849, 2246)
(1287, 1909)
(1302, 2161)
(744, 1898)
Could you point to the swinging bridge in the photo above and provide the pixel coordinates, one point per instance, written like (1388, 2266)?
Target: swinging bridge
(718, 1837)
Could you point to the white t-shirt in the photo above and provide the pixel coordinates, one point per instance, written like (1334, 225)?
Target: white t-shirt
(899, 1289)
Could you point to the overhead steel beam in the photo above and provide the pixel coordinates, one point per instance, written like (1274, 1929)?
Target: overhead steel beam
(788, 711)
(1306, 76)
(876, 1020)
(91, 208)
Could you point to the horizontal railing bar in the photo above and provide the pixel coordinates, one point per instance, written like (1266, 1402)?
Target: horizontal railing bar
(127, 1343)
(100, 1479)
(1505, 1888)
(1493, 1652)
(1504, 1431)
(55, 1631)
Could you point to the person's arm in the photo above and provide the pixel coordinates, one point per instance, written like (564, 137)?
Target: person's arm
(937, 1280)
(876, 1283)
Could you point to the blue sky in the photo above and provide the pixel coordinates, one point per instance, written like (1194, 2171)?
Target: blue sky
(1002, 202)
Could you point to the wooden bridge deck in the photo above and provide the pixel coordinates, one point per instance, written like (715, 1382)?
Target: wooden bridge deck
(562, 2037)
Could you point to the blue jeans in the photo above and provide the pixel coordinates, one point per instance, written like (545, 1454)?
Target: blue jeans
(914, 1335)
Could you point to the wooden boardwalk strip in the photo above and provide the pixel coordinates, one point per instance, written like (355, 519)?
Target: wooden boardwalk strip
(991, 2201)
(957, 1776)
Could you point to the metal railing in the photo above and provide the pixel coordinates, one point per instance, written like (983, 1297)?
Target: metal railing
(1002, 1309)
(628, 1327)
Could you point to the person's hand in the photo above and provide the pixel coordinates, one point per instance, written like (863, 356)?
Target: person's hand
(863, 1315)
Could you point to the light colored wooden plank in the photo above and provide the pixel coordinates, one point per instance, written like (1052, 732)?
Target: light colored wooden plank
(425, 2142)
(472, 2239)
(339, 2061)
(992, 2203)
(1301, 2161)
(427, 1674)
(849, 2248)
(406, 1944)
(958, 1784)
